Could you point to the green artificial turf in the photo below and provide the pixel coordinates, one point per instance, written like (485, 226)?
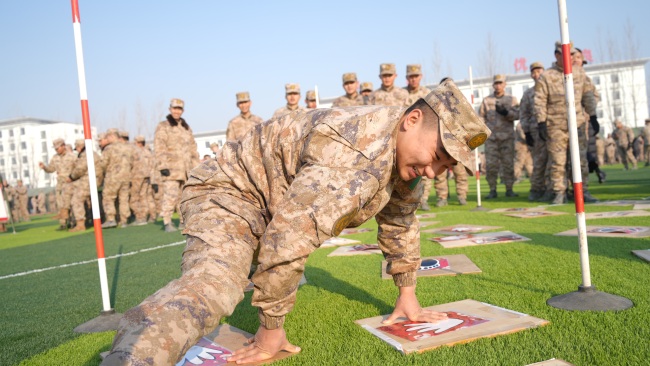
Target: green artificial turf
(39, 311)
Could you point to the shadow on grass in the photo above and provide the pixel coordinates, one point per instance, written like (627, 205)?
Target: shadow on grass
(116, 272)
(615, 248)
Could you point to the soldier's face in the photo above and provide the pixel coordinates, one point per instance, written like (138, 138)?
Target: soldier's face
(577, 59)
(244, 107)
(311, 104)
(499, 88)
(293, 98)
(414, 81)
(536, 73)
(351, 87)
(366, 93)
(176, 112)
(387, 80)
(419, 150)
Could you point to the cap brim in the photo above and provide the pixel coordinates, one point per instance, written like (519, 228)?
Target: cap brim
(469, 163)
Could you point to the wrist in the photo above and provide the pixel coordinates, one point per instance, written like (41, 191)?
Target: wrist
(270, 322)
(405, 279)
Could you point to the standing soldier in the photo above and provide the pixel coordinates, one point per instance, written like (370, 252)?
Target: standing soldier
(11, 200)
(292, 95)
(600, 150)
(646, 139)
(22, 201)
(624, 136)
(140, 181)
(175, 155)
(442, 186)
(214, 147)
(62, 163)
(610, 150)
(539, 179)
(41, 203)
(388, 94)
(244, 121)
(413, 87)
(366, 92)
(523, 159)
(351, 97)
(116, 162)
(552, 122)
(638, 147)
(81, 183)
(310, 99)
(499, 112)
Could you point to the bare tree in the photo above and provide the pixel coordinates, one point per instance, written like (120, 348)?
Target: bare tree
(436, 63)
(490, 60)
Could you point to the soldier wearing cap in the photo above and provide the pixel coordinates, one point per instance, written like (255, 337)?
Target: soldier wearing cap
(175, 155)
(388, 94)
(623, 135)
(292, 95)
(366, 92)
(553, 125)
(310, 99)
(21, 202)
(539, 179)
(351, 97)
(214, 147)
(499, 111)
(523, 158)
(338, 169)
(245, 121)
(413, 87)
(141, 199)
(646, 140)
(116, 163)
(62, 163)
(81, 183)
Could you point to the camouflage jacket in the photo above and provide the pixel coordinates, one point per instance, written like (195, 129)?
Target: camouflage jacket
(175, 149)
(142, 163)
(348, 100)
(116, 162)
(392, 97)
(502, 127)
(240, 125)
(62, 165)
(550, 102)
(284, 110)
(623, 136)
(301, 179)
(646, 134)
(80, 172)
(21, 193)
(520, 136)
(415, 94)
(527, 111)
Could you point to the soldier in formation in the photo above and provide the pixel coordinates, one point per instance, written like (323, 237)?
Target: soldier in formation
(624, 136)
(244, 121)
(62, 163)
(351, 97)
(81, 184)
(292, 95)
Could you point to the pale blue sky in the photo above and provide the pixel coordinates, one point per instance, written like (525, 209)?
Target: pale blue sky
(139, 54)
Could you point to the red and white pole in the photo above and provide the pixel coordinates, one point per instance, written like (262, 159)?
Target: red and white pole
(99, 239)
(477, 172)
(573, 143)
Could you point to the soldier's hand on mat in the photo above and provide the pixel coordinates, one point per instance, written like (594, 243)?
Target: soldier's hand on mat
(165, 172)
(543, 132)
(266, 344)
(530, 141)
(407, 305)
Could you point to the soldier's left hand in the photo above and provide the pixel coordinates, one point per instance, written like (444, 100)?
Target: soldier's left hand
(266, 344)
(407, 305)
(593, 123)
(501, 109)
(530, 141)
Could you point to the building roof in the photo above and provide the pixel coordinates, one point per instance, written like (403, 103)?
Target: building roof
(29, 120)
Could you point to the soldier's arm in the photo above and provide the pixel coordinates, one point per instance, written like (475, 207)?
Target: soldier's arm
(513, 110)
(160, 148)
(194, 150)
(541, 100)
(51, 167)
(482, 111)
(80, 168)
(525, 114)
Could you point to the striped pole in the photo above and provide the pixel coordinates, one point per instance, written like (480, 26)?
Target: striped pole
(317, 98)
(477, 172)
(99, 239)
(573, 143)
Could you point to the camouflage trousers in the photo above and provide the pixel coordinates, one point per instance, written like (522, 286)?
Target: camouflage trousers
(140, 198)
(460, 176)
(21, 209)
(64, 193)
(540, 179)
(500, 154)
(166, 324)
(523, 160)
(559, 156)
(626, 156)
(79, 199)
(610, 154)
(427, 189)
(647, 154)
(111, 191)
(171, 197)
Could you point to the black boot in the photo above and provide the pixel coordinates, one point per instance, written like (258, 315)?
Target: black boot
(492, 194)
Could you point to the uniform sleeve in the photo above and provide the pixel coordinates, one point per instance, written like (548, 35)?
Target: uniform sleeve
(541, 99)
(589, 100)
(230, 133)
(194, 150)
(80, 168)
(160, 148)
(52, 166)
(525, 113)
(320, 202)
(513, 110)
(482, 111)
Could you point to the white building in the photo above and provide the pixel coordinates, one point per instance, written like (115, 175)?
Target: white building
(622, 88)
(205, 139)
(26, 141)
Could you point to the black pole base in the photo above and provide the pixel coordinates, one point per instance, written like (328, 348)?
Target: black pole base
(107, 320)
(587, 298)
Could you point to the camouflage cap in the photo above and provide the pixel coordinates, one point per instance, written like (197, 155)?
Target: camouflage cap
(499, 78)
(243, 97)
(58, 142)
(79, 142)
(414, 69)
(292, 89)
(177, 103)
(461, 128)
(310, 95)
(558, 47)
(366, 86)
(536, 65)
(349, 77)
(124, 133)
(139, 138)
(112, 131)
(387, 69)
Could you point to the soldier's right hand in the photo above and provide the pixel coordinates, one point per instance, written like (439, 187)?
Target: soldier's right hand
(543, 132)
(530, 141)
(266, 344)
(165, 172)
(155, 188)
(41, 165)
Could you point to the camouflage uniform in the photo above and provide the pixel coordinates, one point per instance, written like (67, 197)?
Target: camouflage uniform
(81, 184)
(286, 110)
(414, 95)
(11, 200)
(600, 150)
(240, 125)
(610, 150)
(348, 100)
(523, 159)
(141, 183)
(500, 147)
(539, 179)
(442, 185)
(41, 203)
(174, 149)
(116, 163)
(392, 96)
(646, 139)
(624, 136)
(21, 203)
(336, 170)
(550, 107)
(62, 164)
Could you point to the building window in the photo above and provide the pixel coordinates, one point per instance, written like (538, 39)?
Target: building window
(26, 173)
(15, 175)
(0, 133)
(616, 95)
(12, 146)
(2, 161)
(47, 176)
(207, 144)
(509, 90)
(44, 146)
(618, 112)
(22, 130)
(11, 133)
(13, 161)
(1, 148)
(596, 80)
(599, 113)
(25, 159)
(76, 131)
(476, 94)
(43, 135)
(23, 145)
(614, 78)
